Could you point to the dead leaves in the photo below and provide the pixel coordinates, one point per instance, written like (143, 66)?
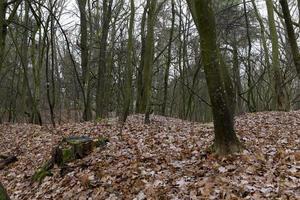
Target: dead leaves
(167, 159)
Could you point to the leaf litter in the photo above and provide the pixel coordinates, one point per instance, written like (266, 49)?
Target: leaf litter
(167, 159)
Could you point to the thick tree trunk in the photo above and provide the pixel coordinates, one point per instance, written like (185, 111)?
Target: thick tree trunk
(148, 64)
(279, 96)
(101, 96)
(226, 141)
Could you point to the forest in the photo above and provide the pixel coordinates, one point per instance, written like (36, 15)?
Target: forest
(149, 99)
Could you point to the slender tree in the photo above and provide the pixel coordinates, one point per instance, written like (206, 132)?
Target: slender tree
(291, 34)
(129, 64)
(87, 113)
(169, 59)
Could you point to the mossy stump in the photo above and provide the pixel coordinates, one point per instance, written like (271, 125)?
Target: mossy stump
(68, 150)
(3, 193)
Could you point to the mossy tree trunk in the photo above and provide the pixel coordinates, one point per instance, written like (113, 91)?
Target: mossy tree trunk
(279, 95)
(148, 63)
(3, 193)
(291, 34)
(102, 90)
(129, 67)
(225, 141)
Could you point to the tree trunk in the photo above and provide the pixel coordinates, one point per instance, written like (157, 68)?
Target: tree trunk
(237, 80)
(168, 65)
(291, 34)
(279, 95)
(148, 64)
(101, 96)
(3, 31)
(250, 96)
(225, 141)
(87, 112)
(140, 81)
(129, 67)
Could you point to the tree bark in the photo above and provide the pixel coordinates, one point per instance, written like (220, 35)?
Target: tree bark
(140, 81)
(225, 141)
(148, 64)
(101, 96)
(168, 65)
(279, 96)
(291, 34)
(129, 64)
(87, 112)
(3, 31)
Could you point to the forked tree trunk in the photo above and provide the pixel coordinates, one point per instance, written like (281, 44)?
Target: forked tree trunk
(225, 141)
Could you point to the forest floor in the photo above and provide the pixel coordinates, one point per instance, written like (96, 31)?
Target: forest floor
(165, 160)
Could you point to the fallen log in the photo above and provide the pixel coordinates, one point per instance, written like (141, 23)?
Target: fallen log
(6, 160)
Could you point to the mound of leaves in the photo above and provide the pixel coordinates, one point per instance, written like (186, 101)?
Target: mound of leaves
(167, 159)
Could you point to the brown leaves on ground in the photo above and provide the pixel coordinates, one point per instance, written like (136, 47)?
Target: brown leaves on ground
(164, 160)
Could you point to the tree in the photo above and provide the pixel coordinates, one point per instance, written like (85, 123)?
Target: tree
(148, 63)
(102, 95)
(87, 113)
(291, 34)
(129, 65)
(279, 95)
(169, 59)
(225, 141)
(4, 22)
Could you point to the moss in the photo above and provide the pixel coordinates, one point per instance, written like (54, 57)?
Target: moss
(40, 174)
(67, 155)
(101, 141)
(44, 171)
(3, 194)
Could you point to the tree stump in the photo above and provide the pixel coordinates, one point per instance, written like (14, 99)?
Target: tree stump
(68, 150)
(3, 193)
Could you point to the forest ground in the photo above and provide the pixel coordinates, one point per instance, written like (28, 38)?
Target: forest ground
(167, 159)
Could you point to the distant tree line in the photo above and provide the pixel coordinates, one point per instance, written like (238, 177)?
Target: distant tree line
(84, 60)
